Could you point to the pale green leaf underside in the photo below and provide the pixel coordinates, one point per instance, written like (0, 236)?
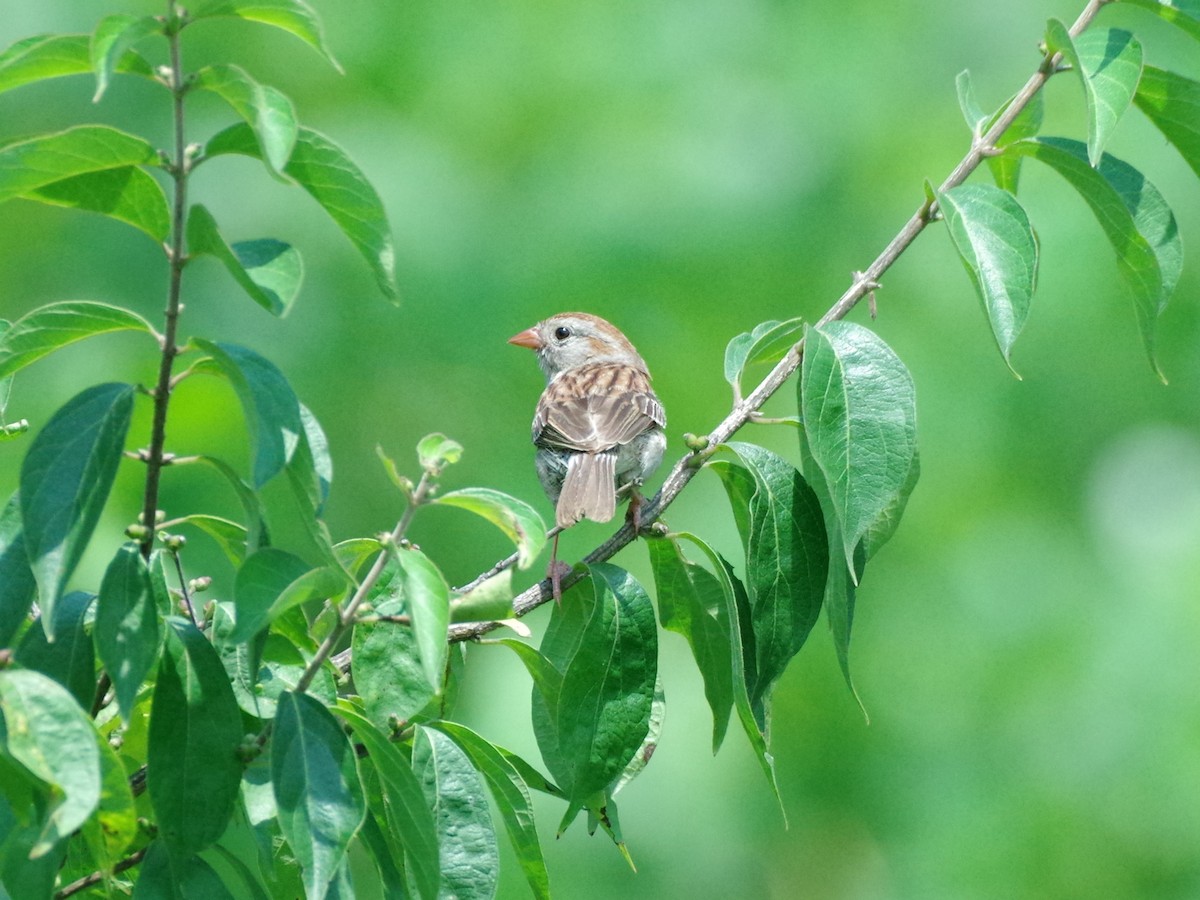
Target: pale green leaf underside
(269, 271)
(49, 328)
(293, 16)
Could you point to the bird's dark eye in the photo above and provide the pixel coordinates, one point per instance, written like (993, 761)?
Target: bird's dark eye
(562, 332)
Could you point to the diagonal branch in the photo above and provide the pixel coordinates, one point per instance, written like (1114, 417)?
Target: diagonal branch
(864, 282)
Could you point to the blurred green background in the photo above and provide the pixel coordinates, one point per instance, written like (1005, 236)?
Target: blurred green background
(1026, 645)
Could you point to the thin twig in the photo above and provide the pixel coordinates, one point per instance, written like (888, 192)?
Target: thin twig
(88, 880)
(863, 284)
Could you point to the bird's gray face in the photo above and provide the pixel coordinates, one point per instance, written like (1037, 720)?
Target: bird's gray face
(569, 341)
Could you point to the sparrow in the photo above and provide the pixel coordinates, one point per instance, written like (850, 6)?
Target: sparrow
(598, 426)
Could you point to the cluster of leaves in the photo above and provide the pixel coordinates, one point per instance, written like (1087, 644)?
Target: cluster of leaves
(152, 744)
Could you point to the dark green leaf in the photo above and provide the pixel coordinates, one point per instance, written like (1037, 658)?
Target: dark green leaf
(409, 816)
(293, 16)
(114, 826)
(1172, 103)
(113, 37)
(317, 790)
(193, 772)
(860, 417)
(55, 55)
(1109, 63)
(65, 480)
(167, 875)
(268, 402)
(1135, 218)
(427, 597)
(48, 734)
(270, 582)
(17, 585)
(127, 194)
(269, 271)
(387, 670)
(516, 518)
(48, 328)
(511, 793)
(997, 245)
(31, 164)
(264, 109)
(1184, 14)
(127, 632)
(71, 659)
(256, 533)
(324, 170)
(469, 857)
(690, 603)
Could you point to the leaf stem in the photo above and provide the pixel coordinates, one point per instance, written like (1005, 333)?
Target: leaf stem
(745, 409)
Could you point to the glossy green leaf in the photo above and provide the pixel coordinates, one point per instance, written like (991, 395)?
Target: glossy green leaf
(167, 875)
(427, 598)
(50, 735)
(17, 585)
(317, 790)
(997, 246)
(127, 194)
(193, 772)
(48, 328)
(691, 604)
(783, 534)
(65, 480)
(126, 630)
(1184, 14)
(517, 519)
(511, 793)
(53, 56)
(1109, 63)
(1136, 220)
(641, 759)
(767, 343)
(272, 411)
(1172, 103)
(28, 165)
(71, 658)
(487, 602)
(324, 170)
(269, 271)
(266, 110)
(860, 417)
(272, 581)
(293, 16)
(112, 38)
(454, 790)
(409, 815)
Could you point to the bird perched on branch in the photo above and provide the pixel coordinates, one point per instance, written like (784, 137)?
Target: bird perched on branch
(598, 426)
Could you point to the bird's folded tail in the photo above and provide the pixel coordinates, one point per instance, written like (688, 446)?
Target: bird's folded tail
(589, 489)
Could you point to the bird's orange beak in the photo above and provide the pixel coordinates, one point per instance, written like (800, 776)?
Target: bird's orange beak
(527, 338)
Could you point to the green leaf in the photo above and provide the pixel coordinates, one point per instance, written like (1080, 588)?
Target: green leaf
(167, 875)
(113, 37)
(1135, 218)
(256, 532)
(1183, 13)
(269, 271)
(1109, 63)
(860, 418)
(603, 707)
(272, 581)
(31, 164)
(641, 759)
(317, 790)
(324, 170)
(229, 536)
(17, 585)
(192, 769)
(114, 826)
(1172, 103)
(1005, 170)
(71, 659)
(272, 411)
(511, 793)
(293, 16)
(974, 115)
(48, 734)
(65, 480)
(767, 343)
(127, 194)
(691, 604)
(46, 329)
(997, 245)
(436, 451)
(127, 632)
(409, 816)
(268, 111)
(311, 468)
(517, 519)
(427, 597)
(469, 857)
(47, 56)
(787, 560)
(488, 601)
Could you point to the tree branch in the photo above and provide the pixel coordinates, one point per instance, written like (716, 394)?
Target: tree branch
(864, 283)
